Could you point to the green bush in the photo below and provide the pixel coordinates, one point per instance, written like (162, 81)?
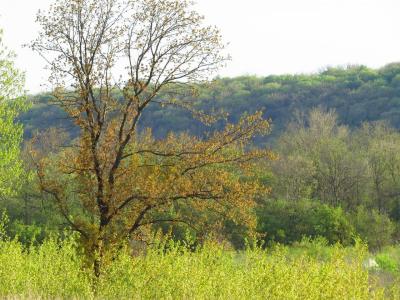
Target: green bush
(374, 228)
(286, 222)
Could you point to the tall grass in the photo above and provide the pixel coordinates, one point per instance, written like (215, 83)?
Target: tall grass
(55, 269)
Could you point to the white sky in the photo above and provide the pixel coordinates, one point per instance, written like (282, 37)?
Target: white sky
(265, 36)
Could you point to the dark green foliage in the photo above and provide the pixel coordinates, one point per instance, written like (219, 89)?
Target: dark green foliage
(33, 216)
(43, 116)
(289, 221)
(351, 91)
(374, 228)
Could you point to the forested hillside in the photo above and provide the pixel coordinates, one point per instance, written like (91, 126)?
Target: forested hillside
(357, 93)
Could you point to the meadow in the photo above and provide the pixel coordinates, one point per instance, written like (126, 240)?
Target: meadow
(55, 269)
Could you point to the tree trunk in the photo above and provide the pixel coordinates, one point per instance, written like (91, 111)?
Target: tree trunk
(98, 249)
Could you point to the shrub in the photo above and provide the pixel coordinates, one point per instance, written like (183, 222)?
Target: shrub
(55, 270)
(51, 270)
(374, 228)
(289, 221)
(387, 263)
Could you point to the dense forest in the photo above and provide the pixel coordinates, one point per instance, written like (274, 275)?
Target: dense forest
(358, 94)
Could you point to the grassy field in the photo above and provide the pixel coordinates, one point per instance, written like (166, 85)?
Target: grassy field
(309, 270)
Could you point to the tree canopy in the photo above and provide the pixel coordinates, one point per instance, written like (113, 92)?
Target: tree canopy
(11, 104)
(114, 180)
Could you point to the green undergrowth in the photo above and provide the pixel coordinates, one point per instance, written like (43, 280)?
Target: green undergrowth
(309, 270)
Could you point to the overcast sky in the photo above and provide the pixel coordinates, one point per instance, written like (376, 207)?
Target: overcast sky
(265, 36)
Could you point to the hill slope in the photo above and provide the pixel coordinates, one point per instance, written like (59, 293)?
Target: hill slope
(357, 93)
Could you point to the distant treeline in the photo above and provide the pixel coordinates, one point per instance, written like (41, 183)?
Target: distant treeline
(358, 94)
